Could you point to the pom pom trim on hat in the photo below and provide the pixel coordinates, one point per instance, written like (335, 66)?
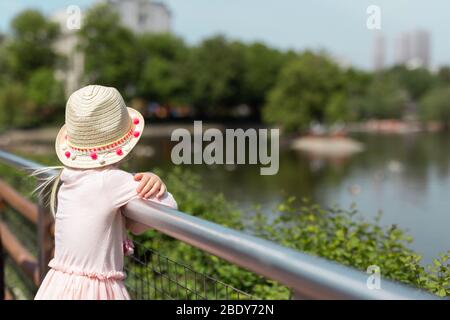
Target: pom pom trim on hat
(98, 156)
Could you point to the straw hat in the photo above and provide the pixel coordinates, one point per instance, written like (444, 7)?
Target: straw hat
(99, 130)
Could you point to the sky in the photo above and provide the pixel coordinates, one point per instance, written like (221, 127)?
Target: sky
(337, 26)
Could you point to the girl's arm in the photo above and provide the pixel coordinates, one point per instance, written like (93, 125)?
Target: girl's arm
(150, 186)
(123, 187)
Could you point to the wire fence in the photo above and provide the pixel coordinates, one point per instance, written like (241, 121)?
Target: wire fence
(150, 275)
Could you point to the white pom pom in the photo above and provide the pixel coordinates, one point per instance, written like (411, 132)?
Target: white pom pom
(101, 159)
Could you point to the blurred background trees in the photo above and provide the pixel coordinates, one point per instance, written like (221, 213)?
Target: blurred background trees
(213, 78)
(306, 88)
(29, 94)
(109, 50)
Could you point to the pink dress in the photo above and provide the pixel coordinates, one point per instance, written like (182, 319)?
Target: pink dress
(89, 235)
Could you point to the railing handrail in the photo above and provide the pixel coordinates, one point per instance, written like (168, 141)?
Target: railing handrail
(308, 276)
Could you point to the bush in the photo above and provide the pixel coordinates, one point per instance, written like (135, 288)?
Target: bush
(436, 105)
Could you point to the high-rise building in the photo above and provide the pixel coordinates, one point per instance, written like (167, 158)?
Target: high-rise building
(413, 49)
(379, 52)
(420, 48)
(143, 15)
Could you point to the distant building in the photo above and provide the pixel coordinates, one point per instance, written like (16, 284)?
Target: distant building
(72, 71)
(379, 52)
(143, 15)
(420, 48)
(413, 49)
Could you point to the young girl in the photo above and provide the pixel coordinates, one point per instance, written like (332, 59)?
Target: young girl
(90, 231)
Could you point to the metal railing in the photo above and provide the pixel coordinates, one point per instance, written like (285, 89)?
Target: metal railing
(308, 277)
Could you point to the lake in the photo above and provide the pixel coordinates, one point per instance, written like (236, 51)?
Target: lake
(405, 176)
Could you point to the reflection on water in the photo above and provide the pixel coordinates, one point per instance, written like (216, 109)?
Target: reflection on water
(407, 177)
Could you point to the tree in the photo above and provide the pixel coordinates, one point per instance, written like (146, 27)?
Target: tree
(164, 62)
(303, 89)
(261, 67)
(444, 75)
(416, 82)
(45, 93)
(215, 75)
(385, 99)
(29, 94)
(31, 42)
(436, 105)
(32, 103)
(13, 104)
(110, 50)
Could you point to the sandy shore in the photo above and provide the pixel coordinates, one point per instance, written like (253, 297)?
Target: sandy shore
(328, 146)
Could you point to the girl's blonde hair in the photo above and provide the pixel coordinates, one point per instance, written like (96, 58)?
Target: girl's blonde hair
(48, 176)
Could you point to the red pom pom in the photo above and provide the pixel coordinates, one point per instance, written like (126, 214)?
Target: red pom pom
(93, 156)
(119, 152)
(67, 154)
(136, 121)
(136, 134)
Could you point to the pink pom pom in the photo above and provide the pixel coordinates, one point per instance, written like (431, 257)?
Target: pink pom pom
(136, 121)
(67, 154)
(136, 134)
(119, 152)
(93, 156)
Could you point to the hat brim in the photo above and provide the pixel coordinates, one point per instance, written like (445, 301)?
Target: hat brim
(85, 161)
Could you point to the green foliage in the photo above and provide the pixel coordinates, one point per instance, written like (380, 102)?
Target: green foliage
(31, 45)
(44, 91)
(12, 96)
(262, 65)
(215, 71)
(384, 99)
(164, 64)
(436, 105)
(284, 88)
(33, 104)
(304, 87)
(415, 81)
(29, 93)
(110, 50)
(444, 75)
(332, 233)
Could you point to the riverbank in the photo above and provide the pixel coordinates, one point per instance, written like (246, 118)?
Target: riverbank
(393, 126)
(327, 146)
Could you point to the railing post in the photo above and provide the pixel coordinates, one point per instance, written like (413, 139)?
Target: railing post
(2, 271)
(2, 261)
(45, 242)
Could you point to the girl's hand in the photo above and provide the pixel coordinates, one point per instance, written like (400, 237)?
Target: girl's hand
(150, 185)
